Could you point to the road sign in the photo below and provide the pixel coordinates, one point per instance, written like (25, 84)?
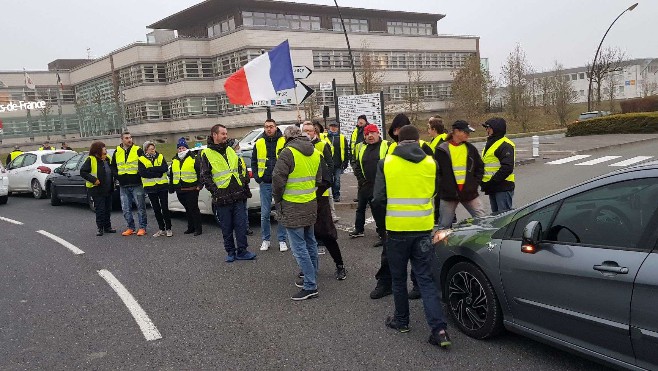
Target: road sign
(326, 86)
(301, 72)
(287, 97)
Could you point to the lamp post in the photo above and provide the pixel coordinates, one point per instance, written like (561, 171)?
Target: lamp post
(591, 71)
(349, 49)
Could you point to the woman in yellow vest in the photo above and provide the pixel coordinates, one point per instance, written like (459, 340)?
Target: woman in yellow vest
(152, 168)
(99, 180)
(498, 156)
(184, 176)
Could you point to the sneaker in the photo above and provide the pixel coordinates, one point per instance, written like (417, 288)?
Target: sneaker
(392, 323)
(336, 199)
(141, 232)
(414, 294)
(355, 200)
(322, 251)
(283, 246)
(379, 243)
(380, 291)
(245, 255)
(230, 258)
(197, 233)
(355, 234)
(109, 230)
(265, 246)
(299, 282)
(156, 234)
(188, 231)
(169, 233)
(300, 274)
(305, 294)
(99, 232)
(335, 218)
(341, 272)
(440, 338)
(250, 232)
(128, 232)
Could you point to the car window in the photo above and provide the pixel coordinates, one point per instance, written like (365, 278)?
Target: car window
(73, 162)
(252, 135)
(30, 159)
(57, 158)
(18, 161)
(615, 215)
(543, 216)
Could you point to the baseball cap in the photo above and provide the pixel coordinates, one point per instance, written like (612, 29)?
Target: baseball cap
(370, 128)
(463, 126)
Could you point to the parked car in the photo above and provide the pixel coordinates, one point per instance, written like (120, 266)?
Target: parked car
(4, 185)
(248, 141)
(29, 170)
(66, 185)
(577, 269)
(205, 199)
(590, 115)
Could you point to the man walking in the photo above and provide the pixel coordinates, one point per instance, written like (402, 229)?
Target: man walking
(405, 184)
(222, 175)
(460, 172)
(498, 156)
(125, 166)
(263, 158)
(294, 183)
(341, 157)
(436, 131)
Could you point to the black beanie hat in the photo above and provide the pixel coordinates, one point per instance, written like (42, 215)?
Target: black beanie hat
(399, 121)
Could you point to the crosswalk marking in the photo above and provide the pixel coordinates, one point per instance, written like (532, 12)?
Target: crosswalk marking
(568, 159)
(631, 161)
(598, 160)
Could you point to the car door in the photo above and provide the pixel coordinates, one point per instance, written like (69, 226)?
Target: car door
(12, 172)
(23, 174)
(577, 286)
(66, 182)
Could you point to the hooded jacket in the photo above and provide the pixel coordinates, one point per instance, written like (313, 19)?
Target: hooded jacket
(448, 189)
(234, 191)
(197, 168)
(270, 144)
(105, 188)
(153, 172)
(505, 155)
(293, 215)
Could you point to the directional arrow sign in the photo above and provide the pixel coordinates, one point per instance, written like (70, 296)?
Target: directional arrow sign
(301, 72)
(287, 97)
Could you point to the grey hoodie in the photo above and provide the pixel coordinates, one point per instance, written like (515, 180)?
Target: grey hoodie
(293, 215)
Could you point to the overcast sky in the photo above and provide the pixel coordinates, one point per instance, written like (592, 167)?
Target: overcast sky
(36, 32)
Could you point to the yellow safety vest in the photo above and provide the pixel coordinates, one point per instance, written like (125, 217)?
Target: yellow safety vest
(94, 171)
(410, 189)
(14, 154)
(49, 148)
(127, 166)
(300, 187)
(343, 145)
(492, 163)
(382, 153)
(221, 170)
(459, 159)
(185, 173)
(261, 153)
(319, 146)
(355, 134)
(152, 182)
(437, 139)
(244, 167)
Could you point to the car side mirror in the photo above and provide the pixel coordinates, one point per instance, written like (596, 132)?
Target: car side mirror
(531, 237)
(58, 170)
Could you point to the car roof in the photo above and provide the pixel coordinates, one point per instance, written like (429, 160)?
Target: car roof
(49, 151)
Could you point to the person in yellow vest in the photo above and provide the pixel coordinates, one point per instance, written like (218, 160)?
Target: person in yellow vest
(436, 131)
(13, 154)
(235, 144)
(341, 156)
(46, 147)
(321, 136)
(125, 166)
(184, 177)
(498, 157)
(153, 169)
(294, 184)
(99, 181)
(405, 185)
(399, 121)
(358, 136)
(223, 175)
(460, 174)
(263, 158)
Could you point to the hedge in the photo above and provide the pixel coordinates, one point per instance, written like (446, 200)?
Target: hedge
(628, 123)
(647, 104)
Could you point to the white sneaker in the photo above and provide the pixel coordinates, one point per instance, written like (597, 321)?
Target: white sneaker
(159, 233)
(322, 251)
(265, 246)
(282, 246)
(336, 218)
(169, 233)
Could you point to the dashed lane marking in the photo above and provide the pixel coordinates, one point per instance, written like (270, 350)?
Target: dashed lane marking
(62, 242)
(598, 160)
(568, 159)
(145, 324)
(631, 161)
(12, 221)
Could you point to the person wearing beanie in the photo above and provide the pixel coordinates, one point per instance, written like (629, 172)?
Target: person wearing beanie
(400, 120)
(405, 185)
(125, 166)
(341, 157)
(153, 169)
(498, 157)
(358, 136)
(184, 179)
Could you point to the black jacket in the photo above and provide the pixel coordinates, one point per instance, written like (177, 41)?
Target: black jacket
(103, 189)
(233, 192)
(197, 168)
(127, 179)
(337, 144)
(270, 144)
(505, 155)
(448, 189)
(366, 176)
(326, 156)
(153, 172)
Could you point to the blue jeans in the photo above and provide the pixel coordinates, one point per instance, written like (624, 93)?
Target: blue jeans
(418, 248)
(232, 220)
(128, 195)
(305, 250)
(335, 187)
(265, 211)
(501, 201)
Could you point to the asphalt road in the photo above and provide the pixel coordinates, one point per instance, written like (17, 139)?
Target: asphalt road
(58, 312)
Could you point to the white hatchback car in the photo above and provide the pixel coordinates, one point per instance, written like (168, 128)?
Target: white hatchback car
(4, 185)
(205, 200)
(28, 171)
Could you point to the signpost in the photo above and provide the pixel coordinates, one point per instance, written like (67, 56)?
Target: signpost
(287, 97)
(326, 86)
(301, 72)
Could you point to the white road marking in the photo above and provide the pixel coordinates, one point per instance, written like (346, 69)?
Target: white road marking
(568, 159)
(143, 321)
(598, 160)
(62, 242)
(631, 161)
(12, 221)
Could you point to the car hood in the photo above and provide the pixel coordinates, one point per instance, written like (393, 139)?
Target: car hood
(477, 232)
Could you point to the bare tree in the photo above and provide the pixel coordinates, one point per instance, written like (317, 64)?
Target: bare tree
(515, 73)
(45, 110)
(563, 94)
(610, 60)
(471, 88)
(311, 107)
(546, 87)
(609, 90)
(371, 73)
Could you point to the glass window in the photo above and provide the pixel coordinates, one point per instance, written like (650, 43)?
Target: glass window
(30, 159)
(72, 164)
(543, 215)
(18, 161)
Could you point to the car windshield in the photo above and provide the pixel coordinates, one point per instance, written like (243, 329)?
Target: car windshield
(57, 158)
(251, 136)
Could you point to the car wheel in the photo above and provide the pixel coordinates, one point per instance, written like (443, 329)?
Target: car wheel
(54, 199)
(90, 201)
(3, 199)
(472, 301)
(37, 192)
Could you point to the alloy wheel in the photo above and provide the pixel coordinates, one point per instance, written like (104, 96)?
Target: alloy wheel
(467, 300)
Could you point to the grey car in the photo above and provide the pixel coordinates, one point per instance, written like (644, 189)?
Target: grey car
(577, 269)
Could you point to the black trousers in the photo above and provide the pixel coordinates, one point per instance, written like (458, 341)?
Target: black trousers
(383, 275)
(190, 201)
(364, 196)
(103, 205)
(160, 204)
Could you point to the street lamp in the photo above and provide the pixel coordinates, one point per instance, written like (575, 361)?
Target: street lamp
(349, 49)
(591, 71)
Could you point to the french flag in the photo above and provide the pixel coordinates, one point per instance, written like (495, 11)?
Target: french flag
(261, 78)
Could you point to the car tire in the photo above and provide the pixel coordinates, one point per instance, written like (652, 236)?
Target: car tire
(471, 301)
(37, 192)
(54, 199)
(3, 199)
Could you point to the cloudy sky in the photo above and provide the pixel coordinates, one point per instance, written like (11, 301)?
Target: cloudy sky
(36, 32)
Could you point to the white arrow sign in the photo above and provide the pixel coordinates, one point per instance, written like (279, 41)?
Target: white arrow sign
(287, 97)
(301, 72)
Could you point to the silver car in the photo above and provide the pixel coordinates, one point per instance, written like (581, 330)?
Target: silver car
(578, 270)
